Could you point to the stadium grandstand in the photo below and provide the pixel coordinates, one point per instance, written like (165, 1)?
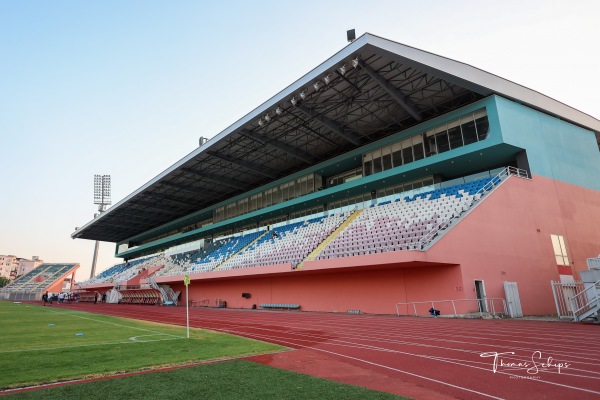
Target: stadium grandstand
(385, 179)
(47, 277)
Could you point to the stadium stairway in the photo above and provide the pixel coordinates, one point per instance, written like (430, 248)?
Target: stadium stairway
(317, 251)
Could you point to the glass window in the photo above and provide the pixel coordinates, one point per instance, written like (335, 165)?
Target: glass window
(377, 167)
(560, 249)
(441, 139)
(430, 145)
(482, 124)
(468, 129)
(386, 158)
(407, 151)
(397, 154)
(311, 184)
(367, 164)
(455, 135)
(418, 151)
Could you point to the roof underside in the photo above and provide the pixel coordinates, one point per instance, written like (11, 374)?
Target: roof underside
(384, 94)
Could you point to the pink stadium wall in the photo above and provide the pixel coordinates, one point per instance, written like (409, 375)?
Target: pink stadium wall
(506, 238)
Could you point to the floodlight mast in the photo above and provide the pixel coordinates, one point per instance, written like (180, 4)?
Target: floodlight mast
(102, 199)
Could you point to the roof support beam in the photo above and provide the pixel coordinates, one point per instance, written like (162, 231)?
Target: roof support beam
(155, 207)
(173, 199)
(390, 89)
(286, 148)
(259, 169)
(130, 226)
(331, 125)
(136, 216)
(188, 189)
(232, 183)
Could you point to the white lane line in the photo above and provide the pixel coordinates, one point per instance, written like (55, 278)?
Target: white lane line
(434, 380)
(386, 367)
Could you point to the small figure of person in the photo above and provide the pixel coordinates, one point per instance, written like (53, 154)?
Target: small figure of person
(96, 297)
(274, 235)
(45, 298)
(104, 297)
(434, 313)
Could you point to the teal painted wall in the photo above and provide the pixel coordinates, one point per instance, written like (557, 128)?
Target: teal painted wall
(556, 149)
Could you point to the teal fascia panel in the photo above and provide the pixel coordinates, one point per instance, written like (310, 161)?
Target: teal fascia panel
(555, 148)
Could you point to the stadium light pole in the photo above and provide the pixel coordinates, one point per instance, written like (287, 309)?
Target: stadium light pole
(102, 199)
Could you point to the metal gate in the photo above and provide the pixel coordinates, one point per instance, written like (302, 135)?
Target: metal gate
(513, 302)
(563, 295)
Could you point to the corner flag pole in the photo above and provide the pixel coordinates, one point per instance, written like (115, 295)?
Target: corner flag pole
(186, 282)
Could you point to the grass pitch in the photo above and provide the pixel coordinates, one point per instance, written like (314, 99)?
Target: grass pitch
(48, 344)
(230, 380)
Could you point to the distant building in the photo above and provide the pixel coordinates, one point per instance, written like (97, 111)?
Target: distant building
(12, 266)
(8, 266)
(26, 265)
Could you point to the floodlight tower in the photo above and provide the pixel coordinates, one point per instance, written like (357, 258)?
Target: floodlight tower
(102, 199)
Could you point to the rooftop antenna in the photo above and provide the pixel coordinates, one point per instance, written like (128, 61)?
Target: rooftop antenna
(102, 199)
(351, 35)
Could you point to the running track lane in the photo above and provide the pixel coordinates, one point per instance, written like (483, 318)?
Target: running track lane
(441, 355)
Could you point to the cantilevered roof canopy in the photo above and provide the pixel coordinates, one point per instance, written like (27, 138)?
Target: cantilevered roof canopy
(372, 88)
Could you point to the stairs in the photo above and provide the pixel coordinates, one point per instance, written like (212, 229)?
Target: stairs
(586, 304)
(165, 296)
(317, 251)
(240, 251)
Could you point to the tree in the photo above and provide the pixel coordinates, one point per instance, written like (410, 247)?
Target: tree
(4, 281)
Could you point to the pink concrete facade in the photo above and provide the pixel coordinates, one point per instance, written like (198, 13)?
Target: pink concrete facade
(505, 238)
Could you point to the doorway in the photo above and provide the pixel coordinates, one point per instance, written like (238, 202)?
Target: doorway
(480, 293)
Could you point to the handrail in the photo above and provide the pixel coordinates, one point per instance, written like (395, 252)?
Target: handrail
(488, 187)
(593, 263)
(489, 306)
(595, 298)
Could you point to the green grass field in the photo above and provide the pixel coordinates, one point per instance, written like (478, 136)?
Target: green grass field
(44, 344)
(48, 344)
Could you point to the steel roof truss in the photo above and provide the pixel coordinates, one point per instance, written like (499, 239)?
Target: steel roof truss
(259, 169)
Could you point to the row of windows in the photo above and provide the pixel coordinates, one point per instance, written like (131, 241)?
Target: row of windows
(452, 135)
(284, 192)
(344, 177)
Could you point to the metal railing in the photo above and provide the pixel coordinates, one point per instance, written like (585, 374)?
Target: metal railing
(585, 302)
(20, 295)
(487, 188)
(593, 263)
(154, 285)
(563, 293)
(485, 305)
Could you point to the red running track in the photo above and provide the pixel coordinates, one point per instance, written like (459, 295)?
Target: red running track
(422, 358)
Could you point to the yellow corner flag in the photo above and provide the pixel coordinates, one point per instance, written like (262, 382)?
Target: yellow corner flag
(186, 280)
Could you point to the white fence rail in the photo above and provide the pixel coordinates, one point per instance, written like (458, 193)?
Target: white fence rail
(593, 263)
(453, 307)
(563, 293)
(20, 295)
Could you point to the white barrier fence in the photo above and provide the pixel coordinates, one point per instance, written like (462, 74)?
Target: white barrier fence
(458, 307)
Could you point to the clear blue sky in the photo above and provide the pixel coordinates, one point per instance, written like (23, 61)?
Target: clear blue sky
(126, 87)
